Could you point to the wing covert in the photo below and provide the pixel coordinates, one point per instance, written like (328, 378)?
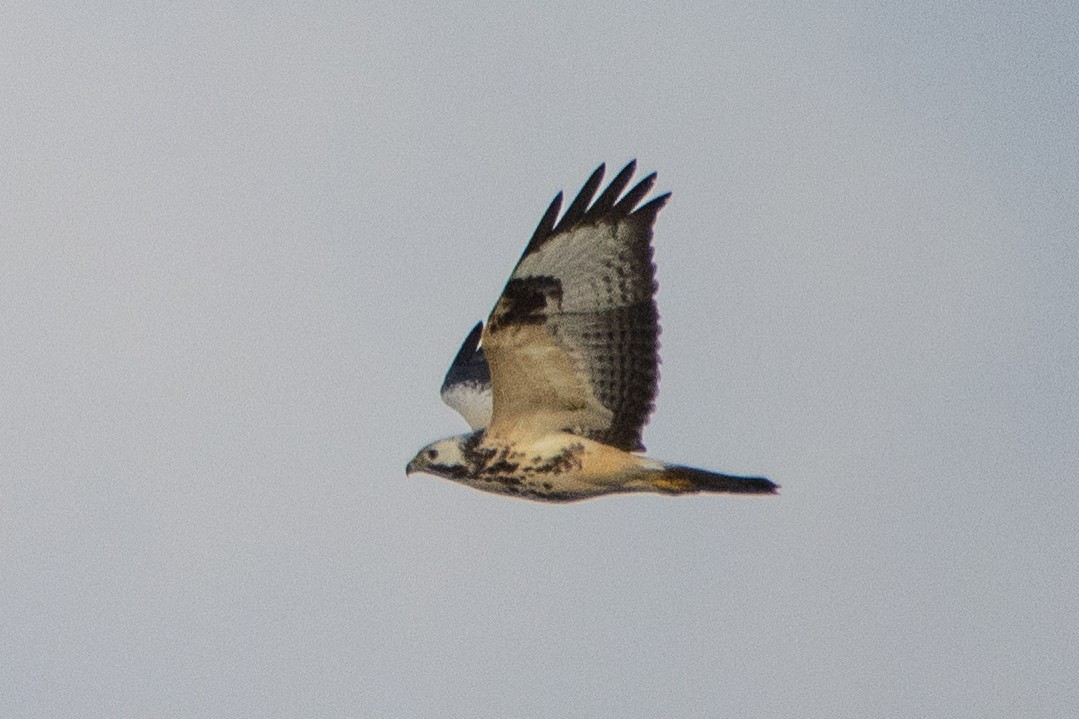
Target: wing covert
(572, 343)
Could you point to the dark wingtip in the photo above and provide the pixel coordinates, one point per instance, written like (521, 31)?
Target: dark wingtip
(470, 362)
(606, 201)
(576, 211)
(546, 224)
(651, 208)
(608, 205)
(627, 204)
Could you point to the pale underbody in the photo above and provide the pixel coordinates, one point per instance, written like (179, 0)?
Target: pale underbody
(552, 467)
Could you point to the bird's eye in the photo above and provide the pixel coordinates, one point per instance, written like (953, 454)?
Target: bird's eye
(432, 454)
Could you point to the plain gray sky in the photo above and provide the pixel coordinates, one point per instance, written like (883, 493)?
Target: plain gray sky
(241, 243)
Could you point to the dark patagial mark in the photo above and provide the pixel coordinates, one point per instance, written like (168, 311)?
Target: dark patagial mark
(525, 300)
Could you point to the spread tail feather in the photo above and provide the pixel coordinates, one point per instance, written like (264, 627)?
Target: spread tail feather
(677, 479)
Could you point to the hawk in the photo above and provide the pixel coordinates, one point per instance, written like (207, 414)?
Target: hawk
(559, 384)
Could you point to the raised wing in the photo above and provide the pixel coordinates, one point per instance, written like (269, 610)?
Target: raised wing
(572, 343)
(467, 386)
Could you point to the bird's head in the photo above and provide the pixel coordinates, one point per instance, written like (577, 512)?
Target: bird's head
(444, 458)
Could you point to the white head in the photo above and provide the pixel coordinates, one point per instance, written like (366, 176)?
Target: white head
(444, 458)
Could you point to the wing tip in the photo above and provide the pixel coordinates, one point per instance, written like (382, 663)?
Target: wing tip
(546, 226)
(469, 364)
(587, 208)
(652, 207)
(577, 209)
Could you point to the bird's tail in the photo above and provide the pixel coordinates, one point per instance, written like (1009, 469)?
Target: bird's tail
(676, 479)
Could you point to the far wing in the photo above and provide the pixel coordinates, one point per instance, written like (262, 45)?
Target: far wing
(467, 386)
(572, 343)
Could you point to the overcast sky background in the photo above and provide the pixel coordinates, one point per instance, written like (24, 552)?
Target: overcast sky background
(241, 244)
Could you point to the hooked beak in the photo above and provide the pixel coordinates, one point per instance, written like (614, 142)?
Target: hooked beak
(412, 467)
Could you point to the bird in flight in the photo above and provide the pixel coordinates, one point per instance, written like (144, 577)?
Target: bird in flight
(559, 384)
